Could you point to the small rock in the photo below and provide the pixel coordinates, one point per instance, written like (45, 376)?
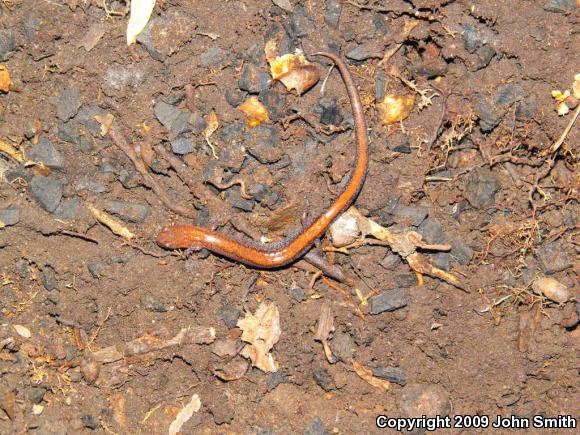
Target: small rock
(485, 54)
(86, 117)
(128, 211)
(96, 269)
(405, 280)
(226, 347)
(174, 120)
(9, 216)
(47, 191)
(508, 94)
(391, 261)
(316, 427)
(323, 379)
(432, 231)
(297, 293)
(553, 258)
(472, 38)
(570, 316)
(7, 44)
(67, 209)
(552, 289)
(489, 114)
(441, 260)
(234, 197)
(181, 146)
(560, 6)
(408, 215)
(220, 409)
(275, 102)
(90, 185)
(461, 252)
(261, 144)
(391, 374)
(332, 12)
(152, 304)
(527, 108)
(90, 422)
(283, 4)
(263, 194)
(68, 103)
(213, 57)
(481, 187)
(235, 97)
(119, 77)
(253, 80)
(301, 24)
(380, 85)
(69, 132)
(23, 268)
(48, 278)
(165, 34)
(229, 315)
(90, 370)
(389, 300)
(418, 400)
(37, 409)
(46, 153)
(330, 112)
(275, 379)
(35, 394)
(343, 346)
(367, 50)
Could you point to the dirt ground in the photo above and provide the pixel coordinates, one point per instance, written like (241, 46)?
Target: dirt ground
(103, 334)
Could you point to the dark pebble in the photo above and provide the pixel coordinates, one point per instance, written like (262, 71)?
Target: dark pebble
(23, 268)
(560, 6)
(367, 50)
(260, 431)
(129, 211)
(297, 293)
(301, 24)
(489, 114)
(330, 112)
(90, 422)
(86, 117)
(387, 301)
(275, 379)
(264, 195)
(405, 280)
(343, 346)
(261, 144)
(229, 315)
(152, 304)
(481, 187)
(332, 12)
(67, 209)
(69, 132)
(197, 123)
(553, 258)
(508, 94)
(174, 120)
(234, 198)
(35, 394)
(7, 44)
(9, 216)
(275, 102)
(527, 108)
(442, 260)
(391, 261)
(68, 103)
(47, 192)
(380, 85)
(323, 379)
(235, 97)
(181, 146)
(316, 427)
(472, 38)
(90, 185)
(409, 215)
(129, 179)
(461, 252)
(45, 152)
(391, 374)
(485, 54)
(253, 80)
(96, 269)
(48, 278)
(432, 231)
(213, 57)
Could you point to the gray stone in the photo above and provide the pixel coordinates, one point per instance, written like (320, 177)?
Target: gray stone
(481, 187)
(213, 57)
(343, 346)
(234, 198)
(67, 209)
(129, 211)
(181, 146)
(96, 269)
(253, 80)
(9, 216)
(367, 50)
(229, 315)
(301, 24)
(330, 112)
(174, 120)
(275, 102)
(47, 192)
(316, 427)
(297, 293)
(119, 77)
(91, 185)
(332, 12)
(485, 54)
(68, 104)
(86, 117)
(391, 261)
(45, 152)
(197, 123)
(560, 6)
(405, 280)
(553, 258)
(391, 374)
(48, 278)
(488, 113)
(263, 194)
(461, 252)
(7, 44)
(90, 422)
(472, 38)
(275, 379)
(323, 379)
(389, 300)
(527, 108)
(69, 132)
(441, 260)
(35, 394)
(152, 304)
(432, 231)
(235, 97)
(409, 215)
(23, 268)
(508, 94)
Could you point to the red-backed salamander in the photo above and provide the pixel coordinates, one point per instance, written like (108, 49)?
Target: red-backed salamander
(271, 255)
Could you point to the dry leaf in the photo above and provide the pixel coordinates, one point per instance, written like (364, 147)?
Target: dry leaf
(255, 111)
(301, 78)
(212, 125)
(113, 224)
(106, 122)
(262, 331)
(12, 152)
(138, 18)
(367, 375)
(395, 108)
(4, 79)
(292, 69)
(325, 323)
(185, 414)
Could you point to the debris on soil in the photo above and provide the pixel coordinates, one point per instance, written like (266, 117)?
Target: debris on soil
(262, 331)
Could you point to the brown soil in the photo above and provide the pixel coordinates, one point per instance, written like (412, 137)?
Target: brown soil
(477, 160)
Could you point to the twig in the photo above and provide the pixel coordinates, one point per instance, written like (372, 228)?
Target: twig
(561, 139)
(78, 235)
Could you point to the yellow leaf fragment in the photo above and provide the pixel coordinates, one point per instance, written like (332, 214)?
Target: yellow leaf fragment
(562, 109)
(11, 151)
(576, 86)
(292, 69)
(4, 79)
(106, 122)
(395, 108)
(185, 414)
(212, 125)
(255, 111)
(262, 331)
(560, 96)
(138, 18)
(113, 224)
(367, 375)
